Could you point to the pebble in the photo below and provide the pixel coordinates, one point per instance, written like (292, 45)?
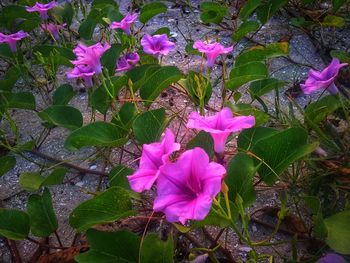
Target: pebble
(80, 184)
(93, 167)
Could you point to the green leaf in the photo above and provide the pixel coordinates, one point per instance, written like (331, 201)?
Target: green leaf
(155, 250)
(63, 94)
(14, 224)
(65, 116)
(22, 100)
(31, 181)
(204, 141)
(244, 29)
(150, 10)
(319, 110)
(156, 81)
(190, 50)
(341, 55)
(43, 221)
(337, 4)
(87, 27)
(10, 78)
(319, 227)
(125, 116)
(109, 58)
(263, 86)
(243, 74)
(5, 51)
(137, 73)
(55, 177)
(15, 17)
(95, 134)
(247, 109)
(149, 126)
(109, 206)
(268, 9)
(121, 246)
(339, 232)
(249, 8)
(6, 164)
(198, 87)
(277, 149)
(333, 21)
(117, 176)
(162, 30)
(212, 219)
(103, 3)
(212, 12)
(68, 13)
(240, 173)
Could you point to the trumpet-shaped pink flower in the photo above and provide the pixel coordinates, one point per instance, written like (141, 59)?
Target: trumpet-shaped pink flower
(153, 156)
(42, 8)
(90, 55)
(185, 189)
(211, 50)
(84, 72)
(157, 45)
(12, 39)
(53, 29)
(128, 61)
(220, 126)
(125, 23)
(320, 80)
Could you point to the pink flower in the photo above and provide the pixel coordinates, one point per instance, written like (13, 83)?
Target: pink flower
(320, 80)
(211, 50)
(53, 29)
(42, 8)
(84, 72)
(128, 61)
(185, 189)
(125, 23)
(220, 126)
(153, 156)
(90, 55)
(157, 45)
(12, 39)
(331, 258)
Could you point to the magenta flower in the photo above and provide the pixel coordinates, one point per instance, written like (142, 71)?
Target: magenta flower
(90, 55)
(320, 80)
(157, 45)
(84, 72)
(128, 61)
(153, 156)
(12, 39)
(53, 29)
(42, 8)
(125, 23)
(211, 50)
(332, 258)
(220, 126)
(185, 189)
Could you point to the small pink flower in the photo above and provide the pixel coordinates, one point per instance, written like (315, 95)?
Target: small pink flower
(90, 55)
(53, 29)
(42, 8)
(185, 189)
(128, 61)
(157, 45)
(12, 39)
(84, 72)
(125, 23)
(211, 50)
(153, 156)
(331, 258)
(321, 80)
(220, 126)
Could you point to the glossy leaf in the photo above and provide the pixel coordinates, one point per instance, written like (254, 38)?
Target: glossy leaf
(109, 58)
(121, 246)
(103, 3)
(149, 126)
(55, 177)
(63, 94)
(319, 110)
(6, 164)
(125, 116)
(117, 176)
(43, 221)
(198, 87)
(247, 109)
(95, 134)
(337, 4)
(249, 8)
(212, 12)
(64, 116)
(87, 27)
(14, 224)
(343, 56)
(204, 141)
(109, 206)
(22, 100)
(269, 9)
(10, 79)
(263, 86)
(31, 181)
(156, 250)
(150, 10)
(245, 28)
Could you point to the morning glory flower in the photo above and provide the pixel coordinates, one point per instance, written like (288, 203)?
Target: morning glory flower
(321, 80)
(157, 45)
(84, 72)
(153, 156)
(186, 188)
(90, 55)
(211, 50)
(332, 258)
(220, 126)
(12, 39)
(125, 23)
(53, 29)
(128, 61)
(42, 8)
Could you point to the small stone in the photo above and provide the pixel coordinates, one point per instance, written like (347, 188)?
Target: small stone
(254, 228)
(245, 249)
(93, 167)
(80, 184)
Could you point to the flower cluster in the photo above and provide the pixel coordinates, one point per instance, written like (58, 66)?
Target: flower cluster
(186, 187)
(12, 39)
